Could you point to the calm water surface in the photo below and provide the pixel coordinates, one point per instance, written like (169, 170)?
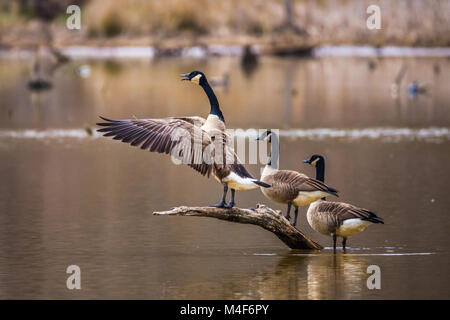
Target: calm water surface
(67, 197)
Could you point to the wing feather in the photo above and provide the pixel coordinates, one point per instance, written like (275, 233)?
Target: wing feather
(301, 182)
(340, 211)
(181, 137)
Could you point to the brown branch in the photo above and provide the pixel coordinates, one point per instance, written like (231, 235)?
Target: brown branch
(262, 216)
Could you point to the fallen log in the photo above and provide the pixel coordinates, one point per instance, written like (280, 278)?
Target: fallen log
(262, 216)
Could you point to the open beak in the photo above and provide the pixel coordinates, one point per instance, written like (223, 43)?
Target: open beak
(185, 77)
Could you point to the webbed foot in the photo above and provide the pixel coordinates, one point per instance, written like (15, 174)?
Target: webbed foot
(230, 205)
(220, 205)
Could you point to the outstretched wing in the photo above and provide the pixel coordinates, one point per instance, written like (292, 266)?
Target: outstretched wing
(180, 137)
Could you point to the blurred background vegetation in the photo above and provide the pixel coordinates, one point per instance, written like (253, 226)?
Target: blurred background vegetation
(300, 22)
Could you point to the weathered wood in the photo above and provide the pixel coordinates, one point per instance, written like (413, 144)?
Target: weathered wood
(262, 216)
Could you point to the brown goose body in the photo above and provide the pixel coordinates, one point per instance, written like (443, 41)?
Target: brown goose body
(228, 169)
(289, 186)
(336, 219)
(340, 219)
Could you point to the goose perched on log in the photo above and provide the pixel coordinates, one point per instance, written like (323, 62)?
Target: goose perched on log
(291, 187)
(336, 219)
(200, 143)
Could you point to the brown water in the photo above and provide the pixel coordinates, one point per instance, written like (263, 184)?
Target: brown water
(70, 198)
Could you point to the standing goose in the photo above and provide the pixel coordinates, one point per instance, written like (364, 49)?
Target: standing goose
(336, 219)
(291, 187)
(201, 144)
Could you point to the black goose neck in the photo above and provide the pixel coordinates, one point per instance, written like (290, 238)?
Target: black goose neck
(214, 103)
(320, 171)
(274, 150)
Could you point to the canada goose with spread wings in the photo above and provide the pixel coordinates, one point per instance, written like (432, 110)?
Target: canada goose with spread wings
(291, 187)
(200, 143)
(336, 219)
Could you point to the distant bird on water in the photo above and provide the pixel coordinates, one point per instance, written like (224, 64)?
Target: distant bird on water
(415, 88)
(249, 60)
(37, 82)
(200, 143)
(336, 219)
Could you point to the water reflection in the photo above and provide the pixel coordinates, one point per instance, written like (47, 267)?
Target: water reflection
(338, 276)
(321, 276)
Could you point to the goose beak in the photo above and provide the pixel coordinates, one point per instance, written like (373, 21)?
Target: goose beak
(260, 138)
(264, 135)
(185, 77)
(307, 161)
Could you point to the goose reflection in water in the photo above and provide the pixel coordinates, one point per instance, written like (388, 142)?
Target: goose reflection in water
(293, 277)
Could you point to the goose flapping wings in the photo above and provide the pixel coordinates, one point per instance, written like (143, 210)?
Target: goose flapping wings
(181, 137)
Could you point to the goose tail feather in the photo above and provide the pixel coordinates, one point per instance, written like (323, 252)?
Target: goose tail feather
(374, 218)
(333, 192)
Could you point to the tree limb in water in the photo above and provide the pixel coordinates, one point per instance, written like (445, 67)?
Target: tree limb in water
(262, 216)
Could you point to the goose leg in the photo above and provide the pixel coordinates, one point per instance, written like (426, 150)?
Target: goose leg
(231, 203)
(288, 213)
(222, 202)
(334, 242)
(295, 217)
(344, 242)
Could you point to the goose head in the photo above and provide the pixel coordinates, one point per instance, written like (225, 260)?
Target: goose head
(314, 160)
(195, 76)
(265, 136)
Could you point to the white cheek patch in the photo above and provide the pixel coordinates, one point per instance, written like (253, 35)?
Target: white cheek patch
(196, 79)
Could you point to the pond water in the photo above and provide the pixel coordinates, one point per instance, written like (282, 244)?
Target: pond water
(71, 198)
